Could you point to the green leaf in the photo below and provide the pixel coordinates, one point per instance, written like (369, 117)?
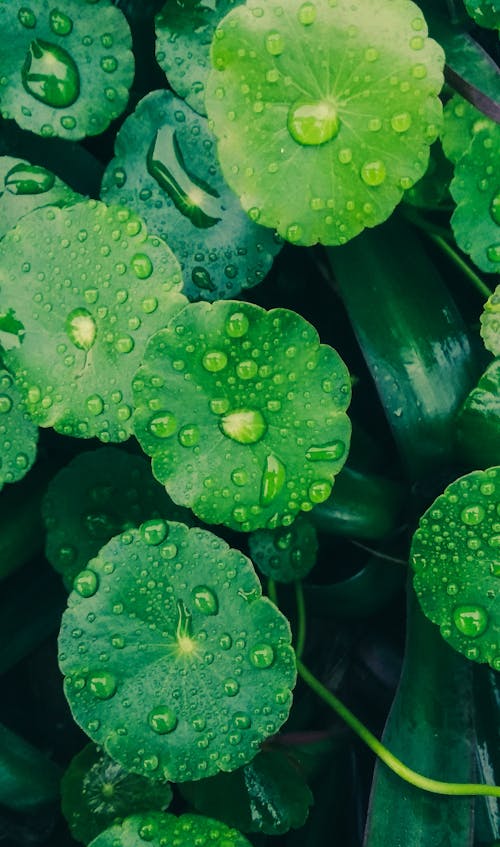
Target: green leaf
(158, 830)
(243, 412)
(485, 12)
(184, 32)
(174, 662)
(65, 73)
(97, 792)
(97, 495)
(476, 191)
(268, 795)
(478, 425)
(25, 187)
(94, 287)
(490, 318)
(462, 122)
(286, 554)
(166, 167)
(432, 191)
(18, 434)
(324, 111)
(456, 562)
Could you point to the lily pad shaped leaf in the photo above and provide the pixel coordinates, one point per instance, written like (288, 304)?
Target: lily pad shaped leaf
(268, 795)
(166, 167)
(97, 495)
(286, 554)
(18, 434)
(485, 12)
(179, 667)
(243, 413)
(89, 287)
(24, 187)
(66, 70)
(462, 122)
(324, 111)
(168, 831)
(476, 191)
(490, 319)
(96, 792)
(184, 32)
(455, 555)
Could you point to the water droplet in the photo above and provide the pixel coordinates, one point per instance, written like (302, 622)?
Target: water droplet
(86, 583)
(95, 404)
(320, 491)
(262, 656)
(495, 209)
(214, 361)
(345, 155)
(141, 265)
(50, 75)
(189, 435)
(326, 452)
(124, 344)
(231, 687)
(81, 328)
(237, 325)
(470, 620)
(219, 405)
(273, 478)
(163, 425)
(5, 404)
(202, 279)
(239, 476)
(313, 122)
(247, 369)
(294, 233)
(307, 14)
(205, 600)
(162, 720)
(60, 23)
(373, 173)
(28, 179)
(154, 531)
(246, 426)
(473, 515)
(275, 43)
(493, 253)
(102, 685)
(26, 17)
(109, 64)
(225, 641)
(401, 122)
(242, 720)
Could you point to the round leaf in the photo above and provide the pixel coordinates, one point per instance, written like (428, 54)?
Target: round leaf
(166, 167)
(65, 71)
(162, 830)
(89, 287)
(97, 792)
(25, 187)
(462, 121)
(455, 556)
(96, 496)
(490, 320)
(243, 412)
(324, 111)
(433, 190)
(485, 12)
(476, 191)
(174, 662)
(285, 555)
(18, 434)
(184, 32)
(268, 795)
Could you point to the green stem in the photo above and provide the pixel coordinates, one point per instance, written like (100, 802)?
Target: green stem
(435, 786)
(271, 591)
(301, 619)
(460, 263)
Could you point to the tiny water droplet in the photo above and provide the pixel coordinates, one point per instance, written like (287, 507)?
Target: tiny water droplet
(320, 491)
(162, 720)
(495, 209)
(95, 404)
(102, 685)
(231, 687)
(242, 720)
(225, 641)
(262, 655)
(307, 14)
(141, 265)
(50, 74)
(60, 23)
(26, 17)
(493, 253)
(247, 369)
(86, 583)
(214, 361)
(401, 122)
(189, 435)
(470, 620)
(205, 600)
(5, 403)
(275, 43)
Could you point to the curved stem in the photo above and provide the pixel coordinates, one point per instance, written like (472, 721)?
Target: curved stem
(464, 267)
(271, 591)
(301, 619)
(435, 786)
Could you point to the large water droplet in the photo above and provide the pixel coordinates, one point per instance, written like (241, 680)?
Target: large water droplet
(26, 17)
(5, 404)
(163, 425)
(262, 656)
(214, 361)
(307, 14)
(273, 478)
(28, 179)
(320, 491)
(86, 583)
(102, 685)
(242, 720)
(50, 74)
(373, 173)
(237, 325)
(81, 328)
(493, 253)
(141, 265)
(326, 452)
(205, 600)
(60, 23)
(231, 687)
(154, 531)
(247, 369)
(473, 515)
(401, 122)
(162, 720)
(470, 620)
(313, 122)
(275, 43)
(246, 426)
(495, 209)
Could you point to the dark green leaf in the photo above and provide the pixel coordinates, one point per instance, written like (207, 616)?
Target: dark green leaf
(18, 434)
(160, 830)
(285, 554)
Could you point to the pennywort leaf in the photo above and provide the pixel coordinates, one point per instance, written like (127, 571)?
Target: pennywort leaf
(490, 317)
(243, 413)
(66, 71)
(94, 287)
(166, 167)
(18, 434)
(324, 111)
(455, 557)
(478, 425)
(173, 660)
(96, 792)
(485, 12)
(287, 554)
(462, 121)
(159, 830)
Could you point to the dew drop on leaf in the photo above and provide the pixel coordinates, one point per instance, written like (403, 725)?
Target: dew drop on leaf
(470, 620)
(50, 74)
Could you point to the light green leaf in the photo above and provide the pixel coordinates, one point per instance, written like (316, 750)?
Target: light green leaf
(490, 317)
(66, 71)
(18, 434)
(97, 495)
(455, 557)
(173, 660)
(162, 830)
(324, 111)
(462, 122)
(97, 792)
(166, 167)
(94, 287)
(476, 191)
(243, 413)
(285, 555)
